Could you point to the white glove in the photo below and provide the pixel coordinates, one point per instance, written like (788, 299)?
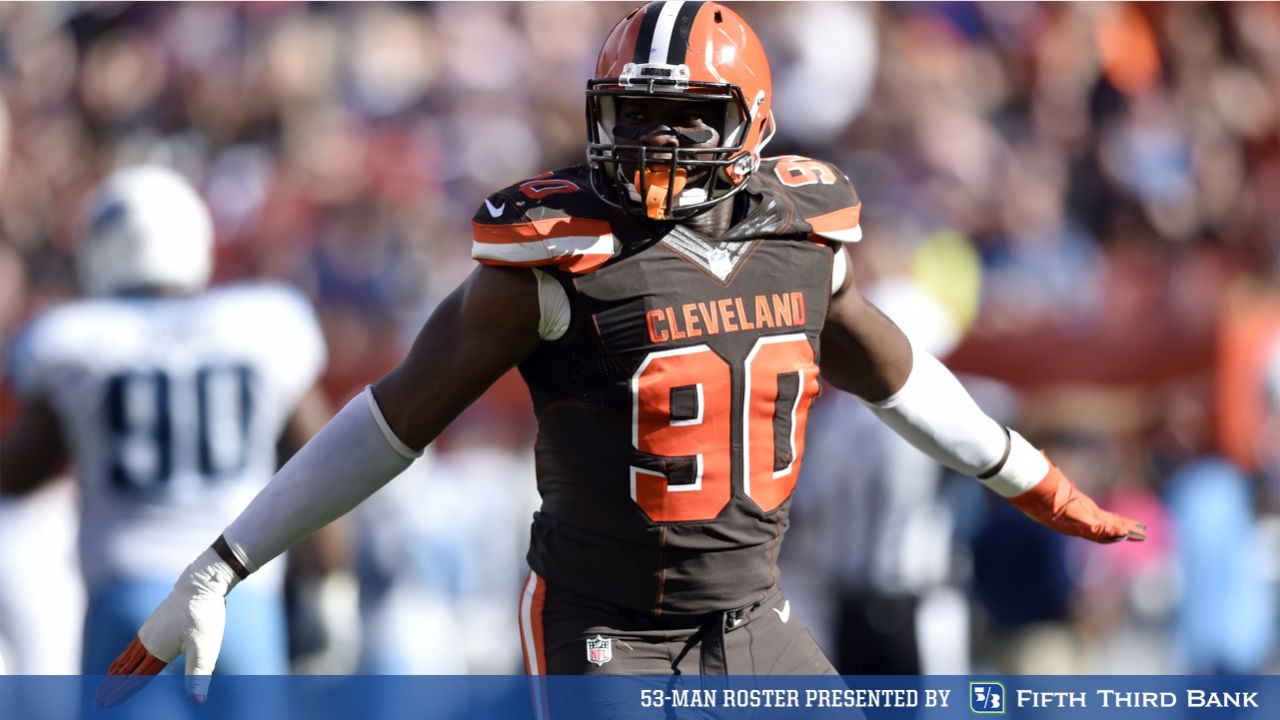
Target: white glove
(189, 622)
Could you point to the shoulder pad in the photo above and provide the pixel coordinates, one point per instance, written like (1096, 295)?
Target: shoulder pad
(550, 220)
(824, 199)
(267, 302)
(277, 325)
(25, 356)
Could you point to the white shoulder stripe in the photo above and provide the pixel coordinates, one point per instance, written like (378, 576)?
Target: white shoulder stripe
(535, 250)
(848, 235)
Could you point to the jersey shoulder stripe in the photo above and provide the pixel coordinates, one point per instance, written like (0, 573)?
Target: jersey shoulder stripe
(575, 244)
(843, 225)
(552, 220)
(823, 196)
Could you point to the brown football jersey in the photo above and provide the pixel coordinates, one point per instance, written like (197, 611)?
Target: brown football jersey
(671, 414)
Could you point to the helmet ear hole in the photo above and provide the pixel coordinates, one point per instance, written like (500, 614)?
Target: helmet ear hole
(719, 17)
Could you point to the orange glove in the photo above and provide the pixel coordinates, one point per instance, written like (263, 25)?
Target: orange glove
(1056, 503)
(132, 670)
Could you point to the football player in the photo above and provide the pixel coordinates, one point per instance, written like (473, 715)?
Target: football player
(169, 398)
(670, 305)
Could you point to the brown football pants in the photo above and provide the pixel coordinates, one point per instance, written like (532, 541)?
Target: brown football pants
(567, 634)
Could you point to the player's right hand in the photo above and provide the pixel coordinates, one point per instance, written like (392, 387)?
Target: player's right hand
(189, 622)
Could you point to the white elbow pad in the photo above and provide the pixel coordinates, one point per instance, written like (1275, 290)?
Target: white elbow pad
(554, 311)
(839, 269)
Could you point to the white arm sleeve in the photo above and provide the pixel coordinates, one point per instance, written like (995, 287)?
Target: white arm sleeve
(933, 412)
(347, 461)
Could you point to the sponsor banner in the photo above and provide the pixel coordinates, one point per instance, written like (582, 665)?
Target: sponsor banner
(657, 698)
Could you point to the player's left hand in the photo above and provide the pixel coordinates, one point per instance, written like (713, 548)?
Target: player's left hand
(190, 622)
(1057, 503)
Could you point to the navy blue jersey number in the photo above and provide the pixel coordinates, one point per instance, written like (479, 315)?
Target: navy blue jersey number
(144, 415)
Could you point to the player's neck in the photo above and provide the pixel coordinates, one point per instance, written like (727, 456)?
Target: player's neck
(713, 223)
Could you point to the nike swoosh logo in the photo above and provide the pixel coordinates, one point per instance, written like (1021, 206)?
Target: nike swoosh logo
(495, 210)
(785, 613)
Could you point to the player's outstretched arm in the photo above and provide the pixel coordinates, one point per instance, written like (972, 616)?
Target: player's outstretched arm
(480, 331)
(864, 353)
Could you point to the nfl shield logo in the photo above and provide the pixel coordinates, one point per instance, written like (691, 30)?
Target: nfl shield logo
(599, 650)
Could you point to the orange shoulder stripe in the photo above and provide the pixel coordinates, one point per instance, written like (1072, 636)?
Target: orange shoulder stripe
(845, 218)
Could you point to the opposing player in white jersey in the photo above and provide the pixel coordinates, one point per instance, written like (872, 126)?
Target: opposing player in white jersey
(170, 399)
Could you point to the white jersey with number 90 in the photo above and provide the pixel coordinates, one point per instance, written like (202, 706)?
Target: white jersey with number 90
(172, 407)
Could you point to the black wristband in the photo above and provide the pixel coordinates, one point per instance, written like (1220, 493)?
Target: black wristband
(999, 466)
(221, 547)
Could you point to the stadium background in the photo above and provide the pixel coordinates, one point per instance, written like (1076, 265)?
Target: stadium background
(1086, 197)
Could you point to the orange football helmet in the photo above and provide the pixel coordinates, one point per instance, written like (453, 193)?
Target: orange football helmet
(683, 51)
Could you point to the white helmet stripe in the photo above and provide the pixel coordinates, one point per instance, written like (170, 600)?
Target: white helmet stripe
(660, 48)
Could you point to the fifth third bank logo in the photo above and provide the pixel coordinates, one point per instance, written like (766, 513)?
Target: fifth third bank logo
(986, 698)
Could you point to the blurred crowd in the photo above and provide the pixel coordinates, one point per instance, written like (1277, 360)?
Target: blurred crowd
(1086, 197)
